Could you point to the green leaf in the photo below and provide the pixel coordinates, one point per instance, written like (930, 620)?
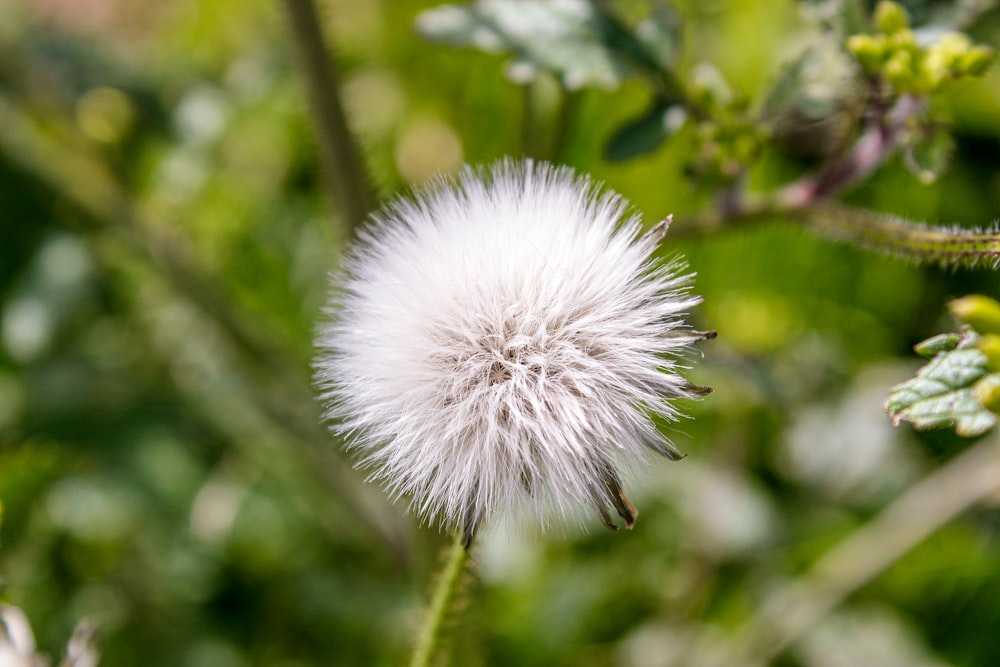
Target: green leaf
(568, 38)
(940, 343)
(645, 134)
(943, 392)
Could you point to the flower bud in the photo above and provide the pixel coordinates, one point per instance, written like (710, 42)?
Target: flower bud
(900, 73)
(953, 45)
(976, 60)
(989, 345)
(868, 50)
(988, 392)
(979, 312)
(891, 17)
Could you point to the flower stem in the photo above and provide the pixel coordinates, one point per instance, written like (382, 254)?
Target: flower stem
(444, 595)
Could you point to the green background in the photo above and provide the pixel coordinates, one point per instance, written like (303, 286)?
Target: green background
(164, 251)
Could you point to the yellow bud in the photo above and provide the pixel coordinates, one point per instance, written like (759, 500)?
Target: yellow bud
(980, 312)
(904, 40)
(952, 46)
(899, 72)
(977, 60)
(936, 69)
(868, 50)
(891, 17)
(105, 114)
(989, 344)
(988, 392)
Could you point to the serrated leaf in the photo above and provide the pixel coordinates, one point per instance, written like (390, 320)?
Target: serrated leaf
(942, 392)
(565, 37)
(645, 134)
(959, 409)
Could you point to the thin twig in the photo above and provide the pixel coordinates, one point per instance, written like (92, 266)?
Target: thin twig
(881, 137)
(569, 102)
(532, 125)
(545, 123)
(345, 176)
(934, 501)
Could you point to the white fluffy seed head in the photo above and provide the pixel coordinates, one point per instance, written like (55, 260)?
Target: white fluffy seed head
(504, 335)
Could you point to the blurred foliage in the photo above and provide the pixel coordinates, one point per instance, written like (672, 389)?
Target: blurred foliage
(163, 258)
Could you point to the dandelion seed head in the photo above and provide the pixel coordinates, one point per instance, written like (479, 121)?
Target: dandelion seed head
(502, 336)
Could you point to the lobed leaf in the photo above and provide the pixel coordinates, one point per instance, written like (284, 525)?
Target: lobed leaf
(943, 393)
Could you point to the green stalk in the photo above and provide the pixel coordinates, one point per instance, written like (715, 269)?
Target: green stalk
(441, 603)
(926, 244)
(344, 173)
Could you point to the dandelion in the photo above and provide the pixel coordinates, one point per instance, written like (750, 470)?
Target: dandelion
(506, 335)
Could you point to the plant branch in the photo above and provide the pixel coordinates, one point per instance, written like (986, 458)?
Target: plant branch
(947, 246)
(882, 133)
(441, 602)
(345, 176)
(808, 200)
(934, 501)
(881, 136)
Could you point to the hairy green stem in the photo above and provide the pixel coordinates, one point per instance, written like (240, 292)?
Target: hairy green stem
(441, 602)
(928, 244)
(941, 245)
(344, 174)
(930, 504)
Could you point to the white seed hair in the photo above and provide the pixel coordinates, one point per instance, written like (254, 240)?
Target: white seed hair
(503, 335)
